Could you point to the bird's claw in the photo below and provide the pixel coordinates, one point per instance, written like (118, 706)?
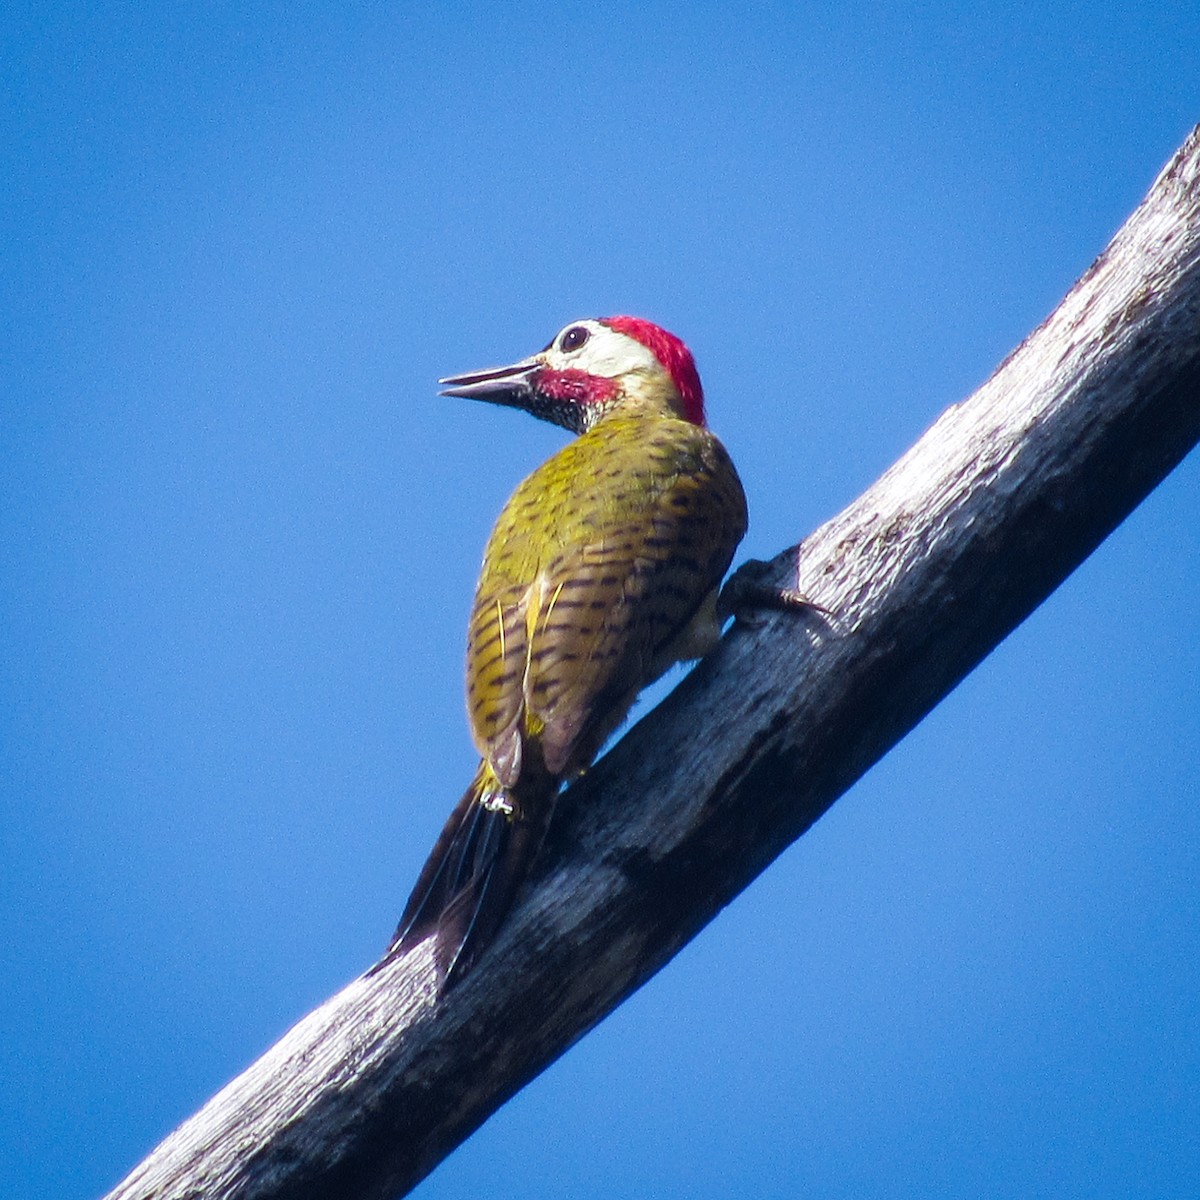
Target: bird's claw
(747, 596)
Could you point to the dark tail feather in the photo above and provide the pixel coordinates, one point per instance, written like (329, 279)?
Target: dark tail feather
(468, 883)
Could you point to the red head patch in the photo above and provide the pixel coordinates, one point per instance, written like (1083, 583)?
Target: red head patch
(674, 356)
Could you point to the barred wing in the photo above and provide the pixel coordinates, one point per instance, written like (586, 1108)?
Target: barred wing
(637, 540)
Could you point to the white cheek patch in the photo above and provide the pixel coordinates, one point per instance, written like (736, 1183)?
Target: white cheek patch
(606, 353)
(615, 354)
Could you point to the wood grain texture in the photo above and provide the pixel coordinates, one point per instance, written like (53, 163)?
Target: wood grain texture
(922, 575)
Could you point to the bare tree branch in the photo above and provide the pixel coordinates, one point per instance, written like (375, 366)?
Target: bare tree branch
(923, 575)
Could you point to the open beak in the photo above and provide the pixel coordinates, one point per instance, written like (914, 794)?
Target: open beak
(512, 386)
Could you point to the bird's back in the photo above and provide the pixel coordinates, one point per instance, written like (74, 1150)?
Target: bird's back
(595, 568)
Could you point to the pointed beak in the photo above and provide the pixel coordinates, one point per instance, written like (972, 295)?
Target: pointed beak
(511, 386)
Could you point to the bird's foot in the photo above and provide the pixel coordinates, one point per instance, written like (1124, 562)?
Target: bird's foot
(748, 595)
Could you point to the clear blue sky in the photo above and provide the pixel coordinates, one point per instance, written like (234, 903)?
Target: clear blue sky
(240, 532)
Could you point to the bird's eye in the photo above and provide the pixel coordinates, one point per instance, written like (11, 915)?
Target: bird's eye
(574, 337)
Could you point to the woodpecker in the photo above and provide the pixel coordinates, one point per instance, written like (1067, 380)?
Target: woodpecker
(602, 570)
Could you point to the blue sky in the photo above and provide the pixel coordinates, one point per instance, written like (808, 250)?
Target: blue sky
(240, 533)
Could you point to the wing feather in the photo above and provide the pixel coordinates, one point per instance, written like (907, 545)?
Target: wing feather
(596, 566)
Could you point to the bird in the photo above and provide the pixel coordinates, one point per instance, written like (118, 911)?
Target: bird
(603, 569)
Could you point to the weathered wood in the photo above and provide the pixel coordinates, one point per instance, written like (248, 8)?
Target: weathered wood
(923, 575)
